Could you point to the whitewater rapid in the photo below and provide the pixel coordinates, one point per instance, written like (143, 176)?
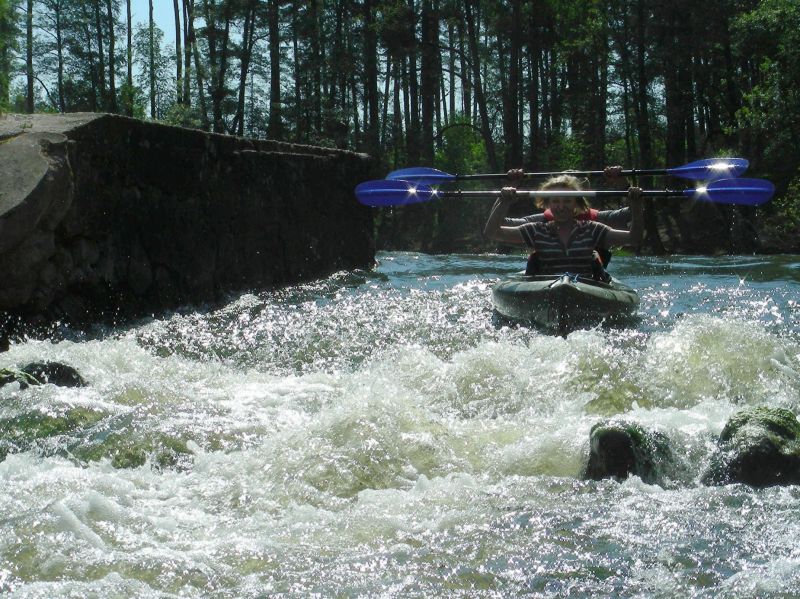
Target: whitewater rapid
(384, 434)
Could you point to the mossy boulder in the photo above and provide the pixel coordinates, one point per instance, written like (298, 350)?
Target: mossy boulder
(85, 435)
(21, 433)
(129, 450)
(759, 447)
(42, 373)
(618, 449)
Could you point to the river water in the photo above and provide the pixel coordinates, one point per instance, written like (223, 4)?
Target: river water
(383, 434)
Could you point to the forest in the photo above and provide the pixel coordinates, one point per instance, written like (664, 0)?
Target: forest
(465, 86)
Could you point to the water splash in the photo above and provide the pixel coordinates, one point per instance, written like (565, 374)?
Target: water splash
(380, 434)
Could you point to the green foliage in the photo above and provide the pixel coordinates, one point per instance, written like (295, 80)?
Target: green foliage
(165, 86)
(783, 216)
(616, 152)
(396, 26)
(183, 116)
(462, 150)
(457, 222)
(568, 152)
(131, 95)
(771, 34)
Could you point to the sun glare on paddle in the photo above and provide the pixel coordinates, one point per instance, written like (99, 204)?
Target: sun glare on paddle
(721, 167)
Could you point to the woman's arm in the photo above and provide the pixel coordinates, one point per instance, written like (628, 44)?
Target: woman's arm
(616, 237)
(494, 228)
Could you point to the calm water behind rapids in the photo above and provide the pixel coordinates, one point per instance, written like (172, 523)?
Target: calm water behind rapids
(382, 434)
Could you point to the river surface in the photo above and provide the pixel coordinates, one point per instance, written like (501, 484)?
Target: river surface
(383, 434)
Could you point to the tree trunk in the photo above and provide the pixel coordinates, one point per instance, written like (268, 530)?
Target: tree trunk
(129, 55)
(466, 86)
(429, 79)
(91, 67)
(275, 124)
(59, 35)
(337, 58)
(486, 130)
(248, 39)
(101, 59)
(451, 33)
(397, 112)
(546, 120)
(412, 91)
(151, 29)
(217, 58)
(300, 121)
(357, 136)
(198, 67)
(178, 54)
(625, 69)
(533, 104)
(316, 65)
(29, 103)
(112, 78)
(385, 112)
(600, 94)
(187, 56)
(513, 138)
(372, 125)
(643, 128)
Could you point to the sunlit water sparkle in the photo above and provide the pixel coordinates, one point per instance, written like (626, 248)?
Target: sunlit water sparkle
(385, 434)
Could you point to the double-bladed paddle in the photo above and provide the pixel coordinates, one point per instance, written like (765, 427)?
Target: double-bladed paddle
(743, 192)
(709, 169)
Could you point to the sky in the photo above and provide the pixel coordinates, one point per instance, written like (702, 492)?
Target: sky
(163, 15)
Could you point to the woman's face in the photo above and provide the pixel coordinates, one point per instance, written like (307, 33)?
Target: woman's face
(563, 208)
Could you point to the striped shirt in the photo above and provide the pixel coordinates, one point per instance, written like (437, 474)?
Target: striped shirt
(554, 258)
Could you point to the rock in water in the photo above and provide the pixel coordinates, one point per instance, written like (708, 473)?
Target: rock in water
(759, 447)
(42, 373)
(619, 449)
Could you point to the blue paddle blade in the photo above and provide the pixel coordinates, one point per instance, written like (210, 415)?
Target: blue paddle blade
(743, 192)
(711, 169)
(421, 174)
(393, 193)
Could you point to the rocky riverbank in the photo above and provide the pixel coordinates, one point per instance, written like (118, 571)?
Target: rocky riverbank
(104, 217)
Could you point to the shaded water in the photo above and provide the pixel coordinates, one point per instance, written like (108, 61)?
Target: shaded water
(383, 434)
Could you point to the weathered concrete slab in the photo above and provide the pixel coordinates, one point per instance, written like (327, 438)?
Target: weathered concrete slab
(104, 215)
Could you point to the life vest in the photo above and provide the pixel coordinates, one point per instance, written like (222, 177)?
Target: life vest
(591, 214)
(604, 254)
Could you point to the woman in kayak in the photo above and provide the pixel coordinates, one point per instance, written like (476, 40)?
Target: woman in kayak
(616, 219)
(566, 243)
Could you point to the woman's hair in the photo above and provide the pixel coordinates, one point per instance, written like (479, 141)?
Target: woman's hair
(566, 182)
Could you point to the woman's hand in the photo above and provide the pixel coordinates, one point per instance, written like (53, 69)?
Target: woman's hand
(634, 195)
(508, 195)
(612, 172)
(515, 175)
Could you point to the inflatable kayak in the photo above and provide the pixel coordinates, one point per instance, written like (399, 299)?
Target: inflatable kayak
(563, 302)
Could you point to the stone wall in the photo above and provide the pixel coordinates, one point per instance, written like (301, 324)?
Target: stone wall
(105, 216)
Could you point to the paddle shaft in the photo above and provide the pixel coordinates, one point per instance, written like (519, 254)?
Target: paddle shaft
(608, 193)
(632, 172)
